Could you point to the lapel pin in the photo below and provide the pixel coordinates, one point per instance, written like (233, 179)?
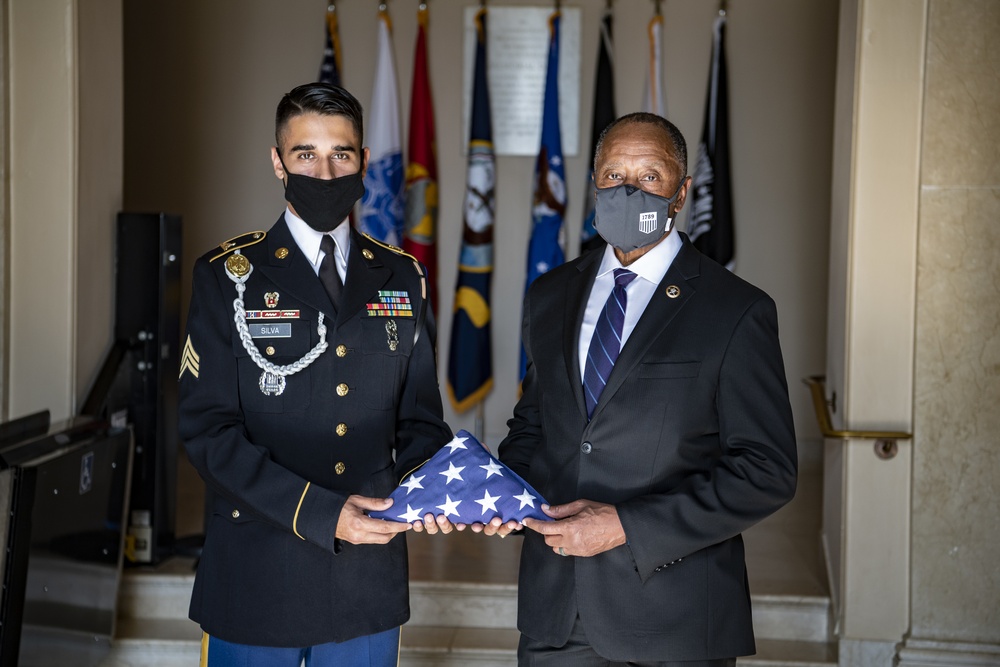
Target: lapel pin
(368, 254)
(281, 253)
(271, 299)
(673, 291)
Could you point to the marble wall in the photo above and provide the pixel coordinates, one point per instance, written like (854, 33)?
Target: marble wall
(955, 588)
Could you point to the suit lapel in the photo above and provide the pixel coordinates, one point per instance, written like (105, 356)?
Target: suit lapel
(660, 311)
(364, 278)
(578, 292)
(288, 267)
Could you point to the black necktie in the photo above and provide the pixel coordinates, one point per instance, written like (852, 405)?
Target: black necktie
(328, 274)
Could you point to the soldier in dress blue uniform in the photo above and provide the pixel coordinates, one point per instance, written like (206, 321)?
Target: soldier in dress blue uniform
(308, 389)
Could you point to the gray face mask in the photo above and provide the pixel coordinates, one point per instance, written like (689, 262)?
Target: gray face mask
(629, 218)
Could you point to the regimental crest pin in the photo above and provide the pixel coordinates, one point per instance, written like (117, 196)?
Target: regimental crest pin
(271, 299)
(392, 335)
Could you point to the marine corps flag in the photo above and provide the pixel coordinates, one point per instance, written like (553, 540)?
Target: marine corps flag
(466, 484)
(604, 113)
(548, 205)
(331, 67)
(420, 237)
(710, 223)
(382, 203)
(470, 363)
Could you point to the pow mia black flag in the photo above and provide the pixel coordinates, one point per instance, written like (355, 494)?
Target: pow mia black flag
(710, 223)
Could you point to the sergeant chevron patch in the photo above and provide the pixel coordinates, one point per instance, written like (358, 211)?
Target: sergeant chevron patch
(190, 361)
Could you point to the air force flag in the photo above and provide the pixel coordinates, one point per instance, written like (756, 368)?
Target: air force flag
(466, 484)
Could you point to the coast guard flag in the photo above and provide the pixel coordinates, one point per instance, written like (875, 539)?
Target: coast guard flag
(330, 68)
(470, 363)
(382, 203)
(652, 96)
(465, 483)
(548, 205)
(604, 113)
(710, 223)
(420, 237)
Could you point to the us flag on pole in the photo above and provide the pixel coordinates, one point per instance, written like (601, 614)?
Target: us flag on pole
(466, 484)
(330, 68)
(710, 223)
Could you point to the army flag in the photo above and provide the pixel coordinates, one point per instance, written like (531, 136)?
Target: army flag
(604, 113)
(382, 203)
(652, 96)
(548, 204)
(420, 235)
(470, 362)
(466, 484)
(331, 67)
(710, 222)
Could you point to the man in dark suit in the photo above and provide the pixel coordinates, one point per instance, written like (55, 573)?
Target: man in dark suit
(308, 390)
(656, 460)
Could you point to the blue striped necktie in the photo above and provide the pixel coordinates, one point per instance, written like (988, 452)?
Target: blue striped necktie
(607, 341)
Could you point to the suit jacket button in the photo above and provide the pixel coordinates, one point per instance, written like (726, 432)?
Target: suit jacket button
(236, 514)
(342, 389)
(586, 448)
(340, 467)
(341, 429)
(341, 350)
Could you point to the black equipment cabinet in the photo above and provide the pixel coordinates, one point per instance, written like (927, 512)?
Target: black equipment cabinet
(137, 385)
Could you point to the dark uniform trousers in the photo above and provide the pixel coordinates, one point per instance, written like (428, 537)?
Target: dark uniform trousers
(279, 465)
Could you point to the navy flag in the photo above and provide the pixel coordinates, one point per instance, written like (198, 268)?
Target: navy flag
(470, 363)
(710, 223)
(548, 205)
(466, 484)
(604, 113)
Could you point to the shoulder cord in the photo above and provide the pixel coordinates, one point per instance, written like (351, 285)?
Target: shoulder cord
(244, 332)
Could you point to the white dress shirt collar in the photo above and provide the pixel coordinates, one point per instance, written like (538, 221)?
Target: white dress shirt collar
(652, 266)
(308, 240)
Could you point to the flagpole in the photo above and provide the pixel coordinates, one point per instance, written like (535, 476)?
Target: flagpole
(480, 421)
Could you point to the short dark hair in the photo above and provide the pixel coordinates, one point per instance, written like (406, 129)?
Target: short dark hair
(679, 146)
(321, 98)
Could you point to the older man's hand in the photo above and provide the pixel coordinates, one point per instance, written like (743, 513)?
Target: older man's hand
(581, 528)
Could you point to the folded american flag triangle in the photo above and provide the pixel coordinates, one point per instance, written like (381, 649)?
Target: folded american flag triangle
(464, 482)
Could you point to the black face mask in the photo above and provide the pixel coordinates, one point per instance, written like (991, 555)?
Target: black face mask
(322, 203)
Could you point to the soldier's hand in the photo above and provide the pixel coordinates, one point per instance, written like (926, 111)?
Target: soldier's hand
(496, 526)
(356, 527)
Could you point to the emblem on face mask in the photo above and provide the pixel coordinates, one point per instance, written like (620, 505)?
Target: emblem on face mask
(647, 222)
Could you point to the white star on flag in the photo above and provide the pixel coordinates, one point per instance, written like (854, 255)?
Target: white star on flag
(452, 472)
(488, 502)
(411, 514)
(457, 443)
(492, 468)
(413, 483)
(450, 506)
(526, 499)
